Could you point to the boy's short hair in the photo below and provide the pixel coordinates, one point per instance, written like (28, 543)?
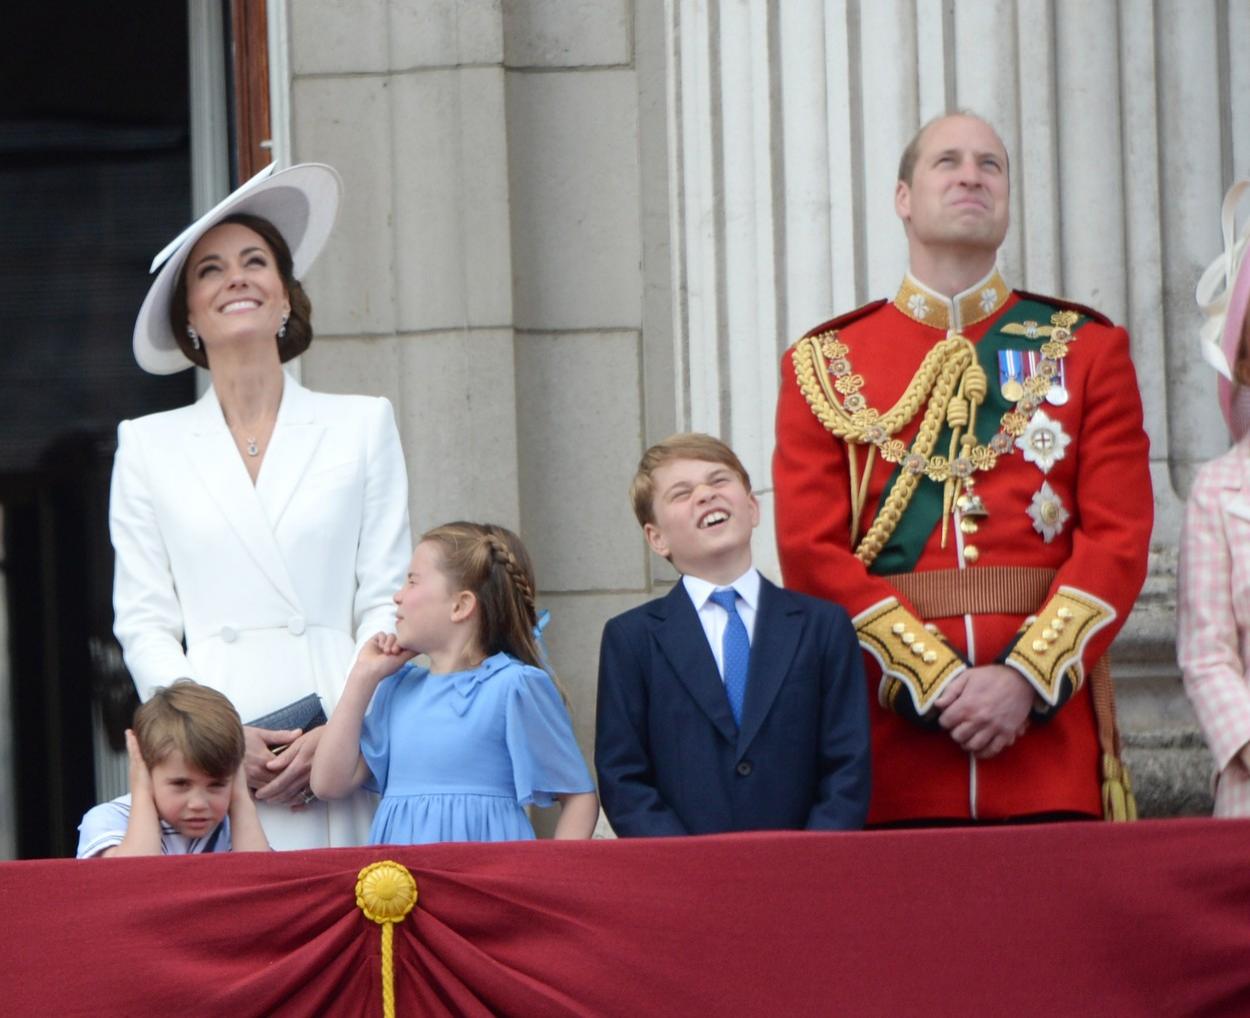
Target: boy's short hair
(196, 721)
(689, 445)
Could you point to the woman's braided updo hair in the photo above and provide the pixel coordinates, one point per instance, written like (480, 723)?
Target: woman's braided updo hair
(492, 563)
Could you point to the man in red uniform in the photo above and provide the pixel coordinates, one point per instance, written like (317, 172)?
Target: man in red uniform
(964, 469)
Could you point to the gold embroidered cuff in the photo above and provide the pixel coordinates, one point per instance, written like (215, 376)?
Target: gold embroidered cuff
(1054, 642)
(909, 653)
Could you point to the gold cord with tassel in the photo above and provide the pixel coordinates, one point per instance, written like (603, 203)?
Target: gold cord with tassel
(386, 892)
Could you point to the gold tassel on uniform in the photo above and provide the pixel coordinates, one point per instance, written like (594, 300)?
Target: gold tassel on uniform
(1118, 802)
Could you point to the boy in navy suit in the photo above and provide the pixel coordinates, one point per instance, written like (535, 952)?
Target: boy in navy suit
(730, 704)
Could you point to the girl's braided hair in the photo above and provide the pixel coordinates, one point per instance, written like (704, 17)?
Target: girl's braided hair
(492, 563)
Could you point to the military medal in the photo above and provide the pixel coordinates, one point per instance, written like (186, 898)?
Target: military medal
(1043, 441)
(1011, 374)
(1047, 512)
(832, 390)
(1057, 394)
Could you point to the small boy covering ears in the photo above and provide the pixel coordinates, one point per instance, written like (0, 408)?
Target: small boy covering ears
(730, 704)
(188, 793)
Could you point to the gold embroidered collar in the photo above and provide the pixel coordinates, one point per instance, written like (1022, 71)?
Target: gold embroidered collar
(929, 307)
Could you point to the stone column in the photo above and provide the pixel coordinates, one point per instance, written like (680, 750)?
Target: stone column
(413, 296)
(500, 269)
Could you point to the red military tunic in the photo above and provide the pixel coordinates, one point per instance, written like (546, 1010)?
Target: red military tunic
(1064, 484)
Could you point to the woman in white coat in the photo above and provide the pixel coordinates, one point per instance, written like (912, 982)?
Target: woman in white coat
(260, 532)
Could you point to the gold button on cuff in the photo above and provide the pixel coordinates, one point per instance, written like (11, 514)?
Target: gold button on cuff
(1050, 650)
(929, 627)
(929, 657)
(898, 629)
(923, 679)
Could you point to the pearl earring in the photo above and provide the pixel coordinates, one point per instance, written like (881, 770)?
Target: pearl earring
(282, 327)
(194, 337)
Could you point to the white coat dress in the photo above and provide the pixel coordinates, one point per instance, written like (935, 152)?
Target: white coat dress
(261, 591)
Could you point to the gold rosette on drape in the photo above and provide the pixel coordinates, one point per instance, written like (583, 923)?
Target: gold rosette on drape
(386, 892)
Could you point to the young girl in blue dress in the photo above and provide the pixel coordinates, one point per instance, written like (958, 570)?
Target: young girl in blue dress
(458, 749)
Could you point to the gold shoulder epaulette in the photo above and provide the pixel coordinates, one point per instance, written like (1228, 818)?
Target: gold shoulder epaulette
(842, 320)
(910, 652)
(1063, 304)
(1053, 643)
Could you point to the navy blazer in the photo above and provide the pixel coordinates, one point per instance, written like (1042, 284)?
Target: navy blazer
(670, 758)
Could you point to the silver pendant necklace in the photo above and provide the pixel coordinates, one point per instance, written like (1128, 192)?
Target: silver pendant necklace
(252, 448)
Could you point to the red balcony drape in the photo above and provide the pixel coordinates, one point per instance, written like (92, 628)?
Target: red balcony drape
(1067, 919)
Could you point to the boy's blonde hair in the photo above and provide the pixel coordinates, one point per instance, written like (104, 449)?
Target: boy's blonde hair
(689, 445)
(198, 722)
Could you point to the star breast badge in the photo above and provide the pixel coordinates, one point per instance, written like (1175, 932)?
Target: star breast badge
(1043, 442)
(1047, 513)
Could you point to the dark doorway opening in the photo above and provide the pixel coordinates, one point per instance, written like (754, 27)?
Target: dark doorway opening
(94, 180)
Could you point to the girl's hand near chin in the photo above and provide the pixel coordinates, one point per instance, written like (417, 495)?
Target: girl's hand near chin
(381, 656)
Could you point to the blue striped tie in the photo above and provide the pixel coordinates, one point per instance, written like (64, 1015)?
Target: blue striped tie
(735, 652)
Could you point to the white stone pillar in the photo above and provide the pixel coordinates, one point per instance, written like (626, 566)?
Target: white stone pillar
(413, 295)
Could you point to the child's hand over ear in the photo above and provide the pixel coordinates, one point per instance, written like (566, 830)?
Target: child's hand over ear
(140, 776)
(143, 827)
(246, 833)
(240, 795)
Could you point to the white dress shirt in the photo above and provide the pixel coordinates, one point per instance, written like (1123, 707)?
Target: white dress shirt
(715, 618)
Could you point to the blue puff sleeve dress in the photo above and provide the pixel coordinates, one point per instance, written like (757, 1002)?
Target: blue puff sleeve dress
(458, 756)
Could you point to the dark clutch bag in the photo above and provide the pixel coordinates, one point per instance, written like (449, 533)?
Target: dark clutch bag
(305, 713)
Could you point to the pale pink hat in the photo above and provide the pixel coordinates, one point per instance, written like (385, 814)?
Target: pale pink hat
(1223, 295)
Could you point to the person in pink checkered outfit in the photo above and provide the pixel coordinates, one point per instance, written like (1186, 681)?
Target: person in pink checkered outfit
(1213, 617)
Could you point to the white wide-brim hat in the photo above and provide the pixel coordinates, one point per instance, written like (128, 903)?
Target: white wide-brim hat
(1223, 295)
(301, 202)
